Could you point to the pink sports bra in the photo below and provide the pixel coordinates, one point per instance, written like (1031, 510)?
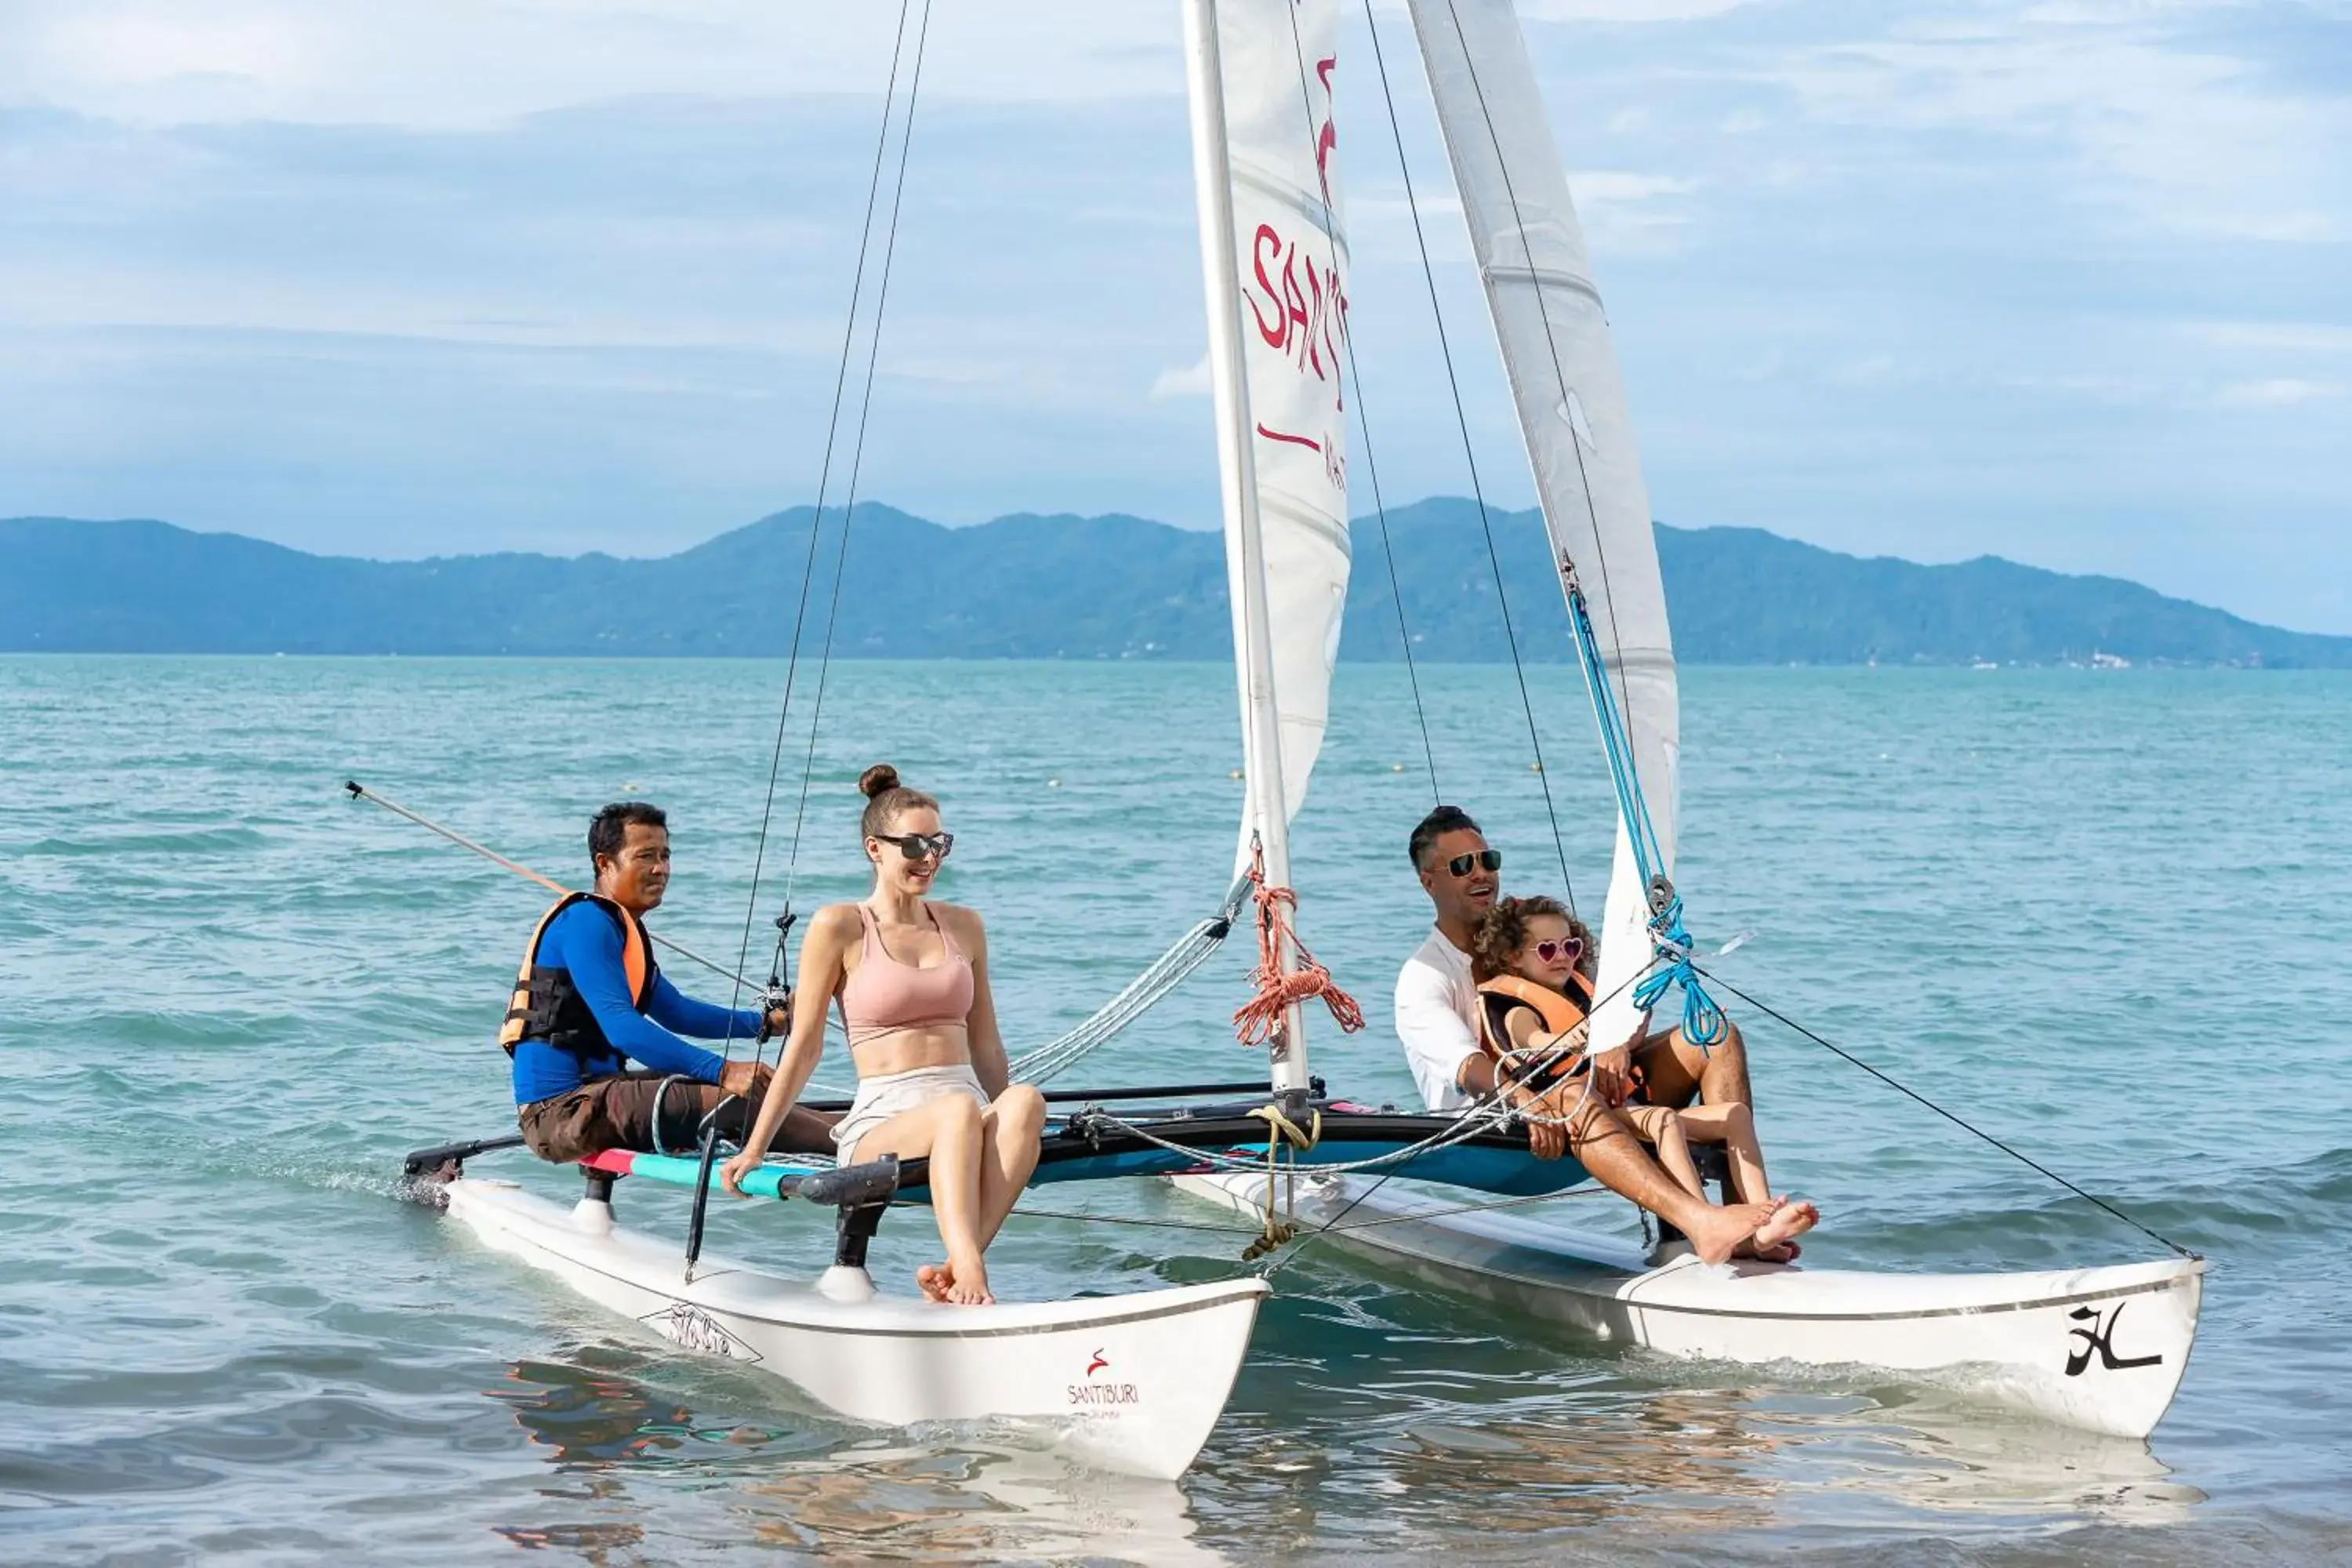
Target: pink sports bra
(884, 997)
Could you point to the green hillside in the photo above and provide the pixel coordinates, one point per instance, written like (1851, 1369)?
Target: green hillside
(1070, 587)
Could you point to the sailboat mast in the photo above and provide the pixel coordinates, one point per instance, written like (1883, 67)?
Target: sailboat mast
(1237, 470)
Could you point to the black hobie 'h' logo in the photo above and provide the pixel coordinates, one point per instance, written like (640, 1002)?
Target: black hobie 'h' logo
(2098, 1339)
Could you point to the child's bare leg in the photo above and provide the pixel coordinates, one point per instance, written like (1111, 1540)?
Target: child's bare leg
(1662, 1129)
(1732, 1125)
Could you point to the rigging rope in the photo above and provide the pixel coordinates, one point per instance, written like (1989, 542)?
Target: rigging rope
(1702, 1024)
(1163, 975)
(1470, 457)
(857, 452)
(1258, 1020)
(817, 528)
(1848, 1056)
(359, 791)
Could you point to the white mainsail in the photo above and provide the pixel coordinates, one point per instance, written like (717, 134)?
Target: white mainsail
(1571, 406)
(1276, 257)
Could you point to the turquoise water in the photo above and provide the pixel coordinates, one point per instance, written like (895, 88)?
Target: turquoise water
(2104, 914)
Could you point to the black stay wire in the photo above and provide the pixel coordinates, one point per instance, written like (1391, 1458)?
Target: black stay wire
(1469, 453)
(1776, 1016)
(1551, 345)
(1364, 424)
(816, 522)
(1388, 550)
(857, 452)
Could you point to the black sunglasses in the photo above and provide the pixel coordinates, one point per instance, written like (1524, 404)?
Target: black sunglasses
(1485, 860)
(920, 845)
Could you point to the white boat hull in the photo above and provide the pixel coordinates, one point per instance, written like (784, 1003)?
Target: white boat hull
(2099, 1348)
(1132, 1384)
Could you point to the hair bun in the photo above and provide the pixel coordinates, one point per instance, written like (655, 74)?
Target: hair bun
(881, 776)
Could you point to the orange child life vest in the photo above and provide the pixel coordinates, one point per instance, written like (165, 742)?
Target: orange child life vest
(1499, 996)
(547, 1006)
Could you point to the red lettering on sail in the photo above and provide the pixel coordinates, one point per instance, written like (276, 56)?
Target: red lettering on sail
(1327, 139)
(1277, 331)
(1298, 304)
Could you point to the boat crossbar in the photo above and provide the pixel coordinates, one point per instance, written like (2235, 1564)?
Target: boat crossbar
(426, 1162)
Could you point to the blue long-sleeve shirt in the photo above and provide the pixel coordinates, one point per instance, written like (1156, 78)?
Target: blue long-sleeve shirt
(585, 941)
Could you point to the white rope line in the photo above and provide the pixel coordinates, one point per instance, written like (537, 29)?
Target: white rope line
(1472, 1121)
(1170, 970)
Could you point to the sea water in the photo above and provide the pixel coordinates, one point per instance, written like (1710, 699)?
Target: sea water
(2103, 915)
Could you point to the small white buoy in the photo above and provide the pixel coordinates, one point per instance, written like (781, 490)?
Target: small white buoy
(1535, 767)
(1396, 767)
(1053, 783)
(1236, 772)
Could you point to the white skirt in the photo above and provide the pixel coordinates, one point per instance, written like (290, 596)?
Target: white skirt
(881, 1098)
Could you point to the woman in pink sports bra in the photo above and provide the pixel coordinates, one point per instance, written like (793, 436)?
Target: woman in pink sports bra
(910, 975)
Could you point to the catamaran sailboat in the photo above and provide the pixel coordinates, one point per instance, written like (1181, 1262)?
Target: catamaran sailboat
(1137, 1381)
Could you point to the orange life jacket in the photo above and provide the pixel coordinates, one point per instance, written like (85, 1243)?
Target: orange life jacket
(547, 1006)
(1560, 1011)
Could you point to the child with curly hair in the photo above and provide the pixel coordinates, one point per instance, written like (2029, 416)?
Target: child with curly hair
(1534, 963)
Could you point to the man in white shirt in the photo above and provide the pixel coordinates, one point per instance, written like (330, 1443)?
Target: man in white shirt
(1437, 1022)
(1436, 1003)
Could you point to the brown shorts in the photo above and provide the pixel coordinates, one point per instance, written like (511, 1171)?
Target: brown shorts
(618, 1113)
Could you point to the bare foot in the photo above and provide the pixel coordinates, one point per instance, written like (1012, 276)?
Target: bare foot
(1725, 1228)
(1788, 1221)
(1786, 1252)
(966, 1283)
(1746, 1248)
(935, 1279)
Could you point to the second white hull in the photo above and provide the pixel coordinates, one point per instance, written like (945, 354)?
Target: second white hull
(2100, 1349)
(1127, 1383)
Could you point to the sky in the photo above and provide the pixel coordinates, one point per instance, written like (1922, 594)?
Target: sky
(2068, 281)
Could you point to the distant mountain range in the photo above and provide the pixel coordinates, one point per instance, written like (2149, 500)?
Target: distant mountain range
(1072, 587)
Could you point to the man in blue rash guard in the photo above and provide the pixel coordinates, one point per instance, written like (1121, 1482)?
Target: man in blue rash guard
(590, 999)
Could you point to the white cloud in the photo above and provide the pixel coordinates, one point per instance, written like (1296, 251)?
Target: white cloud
(485, 62)
(2288, 337)
(1187, 381)
(2188, 139)
(1596, 188)
(1628, 214)
(1627, 10)
(2277, 392)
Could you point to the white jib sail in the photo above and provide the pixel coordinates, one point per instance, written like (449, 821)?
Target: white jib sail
(1280, 309)
(1571, 406)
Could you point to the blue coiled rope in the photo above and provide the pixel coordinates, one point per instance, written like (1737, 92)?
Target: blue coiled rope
(1704, 1024)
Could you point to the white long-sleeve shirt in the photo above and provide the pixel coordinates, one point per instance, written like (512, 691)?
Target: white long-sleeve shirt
(1437, 1019)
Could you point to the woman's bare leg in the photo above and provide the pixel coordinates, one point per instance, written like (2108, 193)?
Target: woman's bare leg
(1009, 1127)
(949, 1130)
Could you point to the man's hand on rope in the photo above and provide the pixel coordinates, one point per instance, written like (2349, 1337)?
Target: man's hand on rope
(1547, 1137)
(746, 1079)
